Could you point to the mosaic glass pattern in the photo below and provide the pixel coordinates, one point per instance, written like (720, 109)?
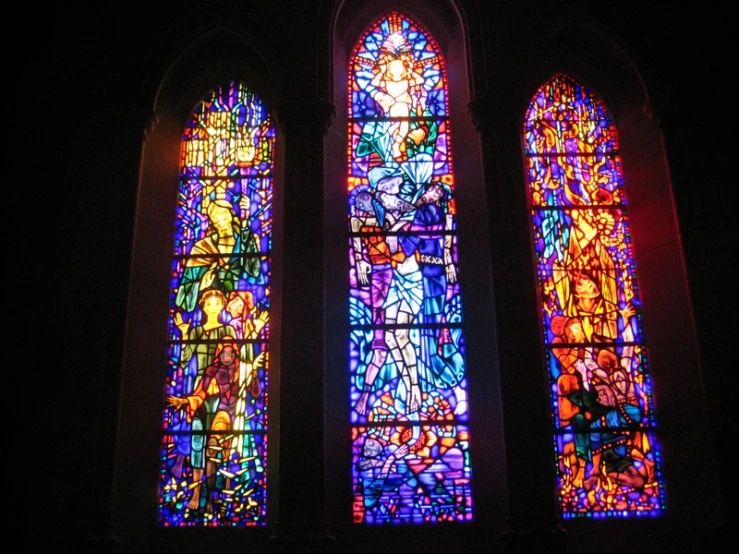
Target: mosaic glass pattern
(408, 396)
(214, 445)
(604, 426)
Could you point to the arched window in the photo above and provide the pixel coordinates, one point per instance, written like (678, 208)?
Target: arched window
(214, 447)
(607, 451)
(409, 416)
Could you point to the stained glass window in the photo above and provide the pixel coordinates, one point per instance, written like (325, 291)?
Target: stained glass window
(608, 461)
(409, 414)
(214, 447)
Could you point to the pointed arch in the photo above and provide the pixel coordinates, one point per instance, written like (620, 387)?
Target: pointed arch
(608, 457)
(408, 378)
(214, 442)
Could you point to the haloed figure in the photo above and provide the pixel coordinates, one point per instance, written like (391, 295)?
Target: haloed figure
(398, 88)
(223, 257)
(199, 347)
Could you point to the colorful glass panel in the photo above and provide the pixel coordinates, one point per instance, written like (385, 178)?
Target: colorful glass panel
(409, 413)
(214, 447)
(607, 450)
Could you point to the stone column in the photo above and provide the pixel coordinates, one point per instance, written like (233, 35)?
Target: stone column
(301, 518)
(531, 526)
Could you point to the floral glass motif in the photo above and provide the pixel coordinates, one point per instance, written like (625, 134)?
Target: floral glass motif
(608, 461)
(409, 416)
(214, 445)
